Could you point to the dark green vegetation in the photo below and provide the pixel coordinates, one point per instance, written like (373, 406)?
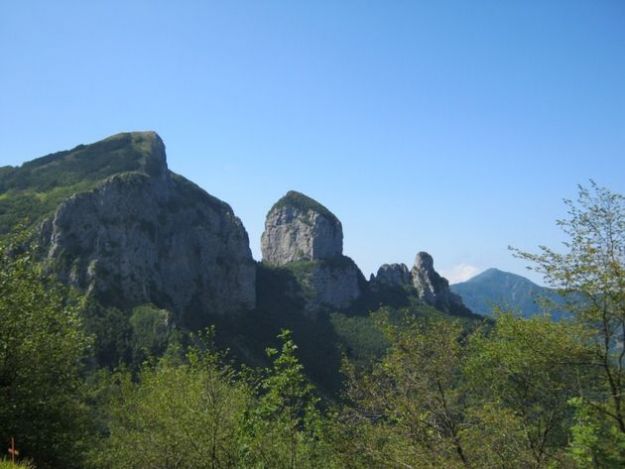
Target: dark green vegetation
(36, 188)
(493, 289)
(42, 346)
(326, 336)
(84, 384)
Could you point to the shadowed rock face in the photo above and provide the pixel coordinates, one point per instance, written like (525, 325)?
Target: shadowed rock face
(394, 275)
(151, 236)
(434, 289)
(304, 236)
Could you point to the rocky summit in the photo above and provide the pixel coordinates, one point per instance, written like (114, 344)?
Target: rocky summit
(157, 258)
(142, 234)
(422, 282)
(305, 237)
(393, 275)
(113, 221)
(433, 289)
(300, 228)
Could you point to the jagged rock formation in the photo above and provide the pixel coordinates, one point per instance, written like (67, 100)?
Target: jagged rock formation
(433, 289)
(305, 237)
(422, 281)
(116, 223)
(147, 235)
(393, 275)
(300, 228)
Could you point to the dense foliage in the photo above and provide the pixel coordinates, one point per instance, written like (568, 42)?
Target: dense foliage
(42, 345)
(421, 389)
(197, 411)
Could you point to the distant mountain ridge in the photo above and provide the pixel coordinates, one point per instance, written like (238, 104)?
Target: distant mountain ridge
(495, 288)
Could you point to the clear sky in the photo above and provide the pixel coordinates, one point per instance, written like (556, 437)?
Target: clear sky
(450, 127)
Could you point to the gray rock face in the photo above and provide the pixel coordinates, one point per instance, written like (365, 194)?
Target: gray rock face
(333, 285)
(337, 288)
(305, 237)
(394, 275)
(299, 228)
(434, 289)
(153, 237)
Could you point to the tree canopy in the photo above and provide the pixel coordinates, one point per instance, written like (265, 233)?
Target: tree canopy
(42, 348)
(421, 390)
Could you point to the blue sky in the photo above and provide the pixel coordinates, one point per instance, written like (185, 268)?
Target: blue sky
(450, 127)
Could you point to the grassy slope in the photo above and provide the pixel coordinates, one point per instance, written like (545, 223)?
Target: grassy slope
(30, 192)
(303, 203)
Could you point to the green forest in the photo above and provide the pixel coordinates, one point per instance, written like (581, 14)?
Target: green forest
(81, 386)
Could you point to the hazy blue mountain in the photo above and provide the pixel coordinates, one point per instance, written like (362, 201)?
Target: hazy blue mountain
(508, 291)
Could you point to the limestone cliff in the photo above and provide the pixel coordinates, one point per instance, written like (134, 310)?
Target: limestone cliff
(304, 236)
(421, 282)
(433, 289)
(150, 236)
(393, 275)
(299, 228)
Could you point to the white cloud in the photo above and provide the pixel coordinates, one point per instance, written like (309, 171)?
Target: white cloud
(459, 273)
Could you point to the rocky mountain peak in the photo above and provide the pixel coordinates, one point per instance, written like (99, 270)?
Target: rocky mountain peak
(395, 275)
(429, 284)
(424, 261)
(146, 148)
(129, 231)
(433, 289)
(300, 228)
(304, 236)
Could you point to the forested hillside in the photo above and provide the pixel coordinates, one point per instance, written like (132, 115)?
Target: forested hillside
(136, 330)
